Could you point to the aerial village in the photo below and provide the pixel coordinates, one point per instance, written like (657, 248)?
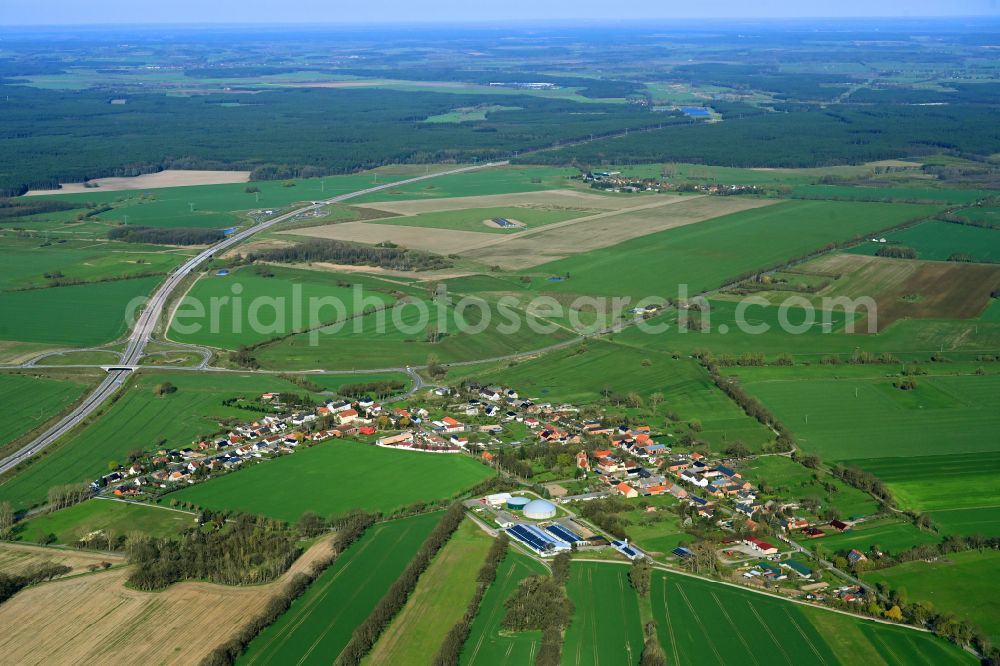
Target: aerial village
(627, 463)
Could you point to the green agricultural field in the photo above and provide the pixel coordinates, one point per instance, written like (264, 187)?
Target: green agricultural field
(954, 583)
(856, 641)
(502, 180)
(902, 194)
(140, 420)
(782, 477)
(333, 383)
(244, 307)
(472, 219)
(889, 535)
(981, 214)
(27, 261)
(401, 337)
(219, 206)
(320, 622)
(583, 377)
(97, 312)
(111, 517)
(701, 622)
(854, 417)
(439, 600)
(708, 254)
(605, 627)
(937, 241)
(488, 644)
(335, 477)
(30, 400)
(911, 339)
(468, 113)
(959, 491)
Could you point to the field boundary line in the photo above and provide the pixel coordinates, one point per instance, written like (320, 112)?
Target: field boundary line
(736, 630)
(701, 625)
(804, 637)
(770, 633)
(670, 625)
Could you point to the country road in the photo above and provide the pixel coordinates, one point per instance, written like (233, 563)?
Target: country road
(148, 319)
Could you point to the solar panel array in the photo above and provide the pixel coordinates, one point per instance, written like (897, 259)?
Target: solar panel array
(561, 532)
(626, 550)
(536, 539)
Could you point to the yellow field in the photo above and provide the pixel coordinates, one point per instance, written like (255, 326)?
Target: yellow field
(96, 619)
(15, 558)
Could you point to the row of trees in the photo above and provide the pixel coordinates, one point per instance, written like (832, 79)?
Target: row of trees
(340, 252)
(540, 604)
(249, 550)
(379, 389)
(165, 236)
(865, 481)
(11, 584)
(451, 649)
(395, 598)
(349, 529)
(61, 497)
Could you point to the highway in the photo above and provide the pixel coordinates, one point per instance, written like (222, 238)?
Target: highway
(150, 315)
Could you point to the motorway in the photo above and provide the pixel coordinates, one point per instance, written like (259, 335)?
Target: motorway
(148, 319)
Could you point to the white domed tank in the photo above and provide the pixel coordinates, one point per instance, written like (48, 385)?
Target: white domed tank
(539, 509)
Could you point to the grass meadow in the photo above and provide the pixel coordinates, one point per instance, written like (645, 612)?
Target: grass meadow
(111, 517)
(959, 491)
(954, 583)
(30, 400)
(606, 626)
(849, 418)
(335, 477)
(889, 535)
(78, 315)
(708, 254)
(937, 241)
(782, 477)
(320, 622)
(488, 644)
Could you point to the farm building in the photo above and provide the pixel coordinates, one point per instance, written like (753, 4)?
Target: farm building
(762, 547)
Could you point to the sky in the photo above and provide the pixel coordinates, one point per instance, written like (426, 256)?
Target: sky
(341, 12)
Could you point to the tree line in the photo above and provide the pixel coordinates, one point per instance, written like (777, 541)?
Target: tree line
(395, 598)
(12, 583)
(451, 649)
(165, 236)
(540, 604)
(352, 254)
(248, 550)
(349, 529)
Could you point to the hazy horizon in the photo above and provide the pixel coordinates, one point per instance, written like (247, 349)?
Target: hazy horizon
(453, 12)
